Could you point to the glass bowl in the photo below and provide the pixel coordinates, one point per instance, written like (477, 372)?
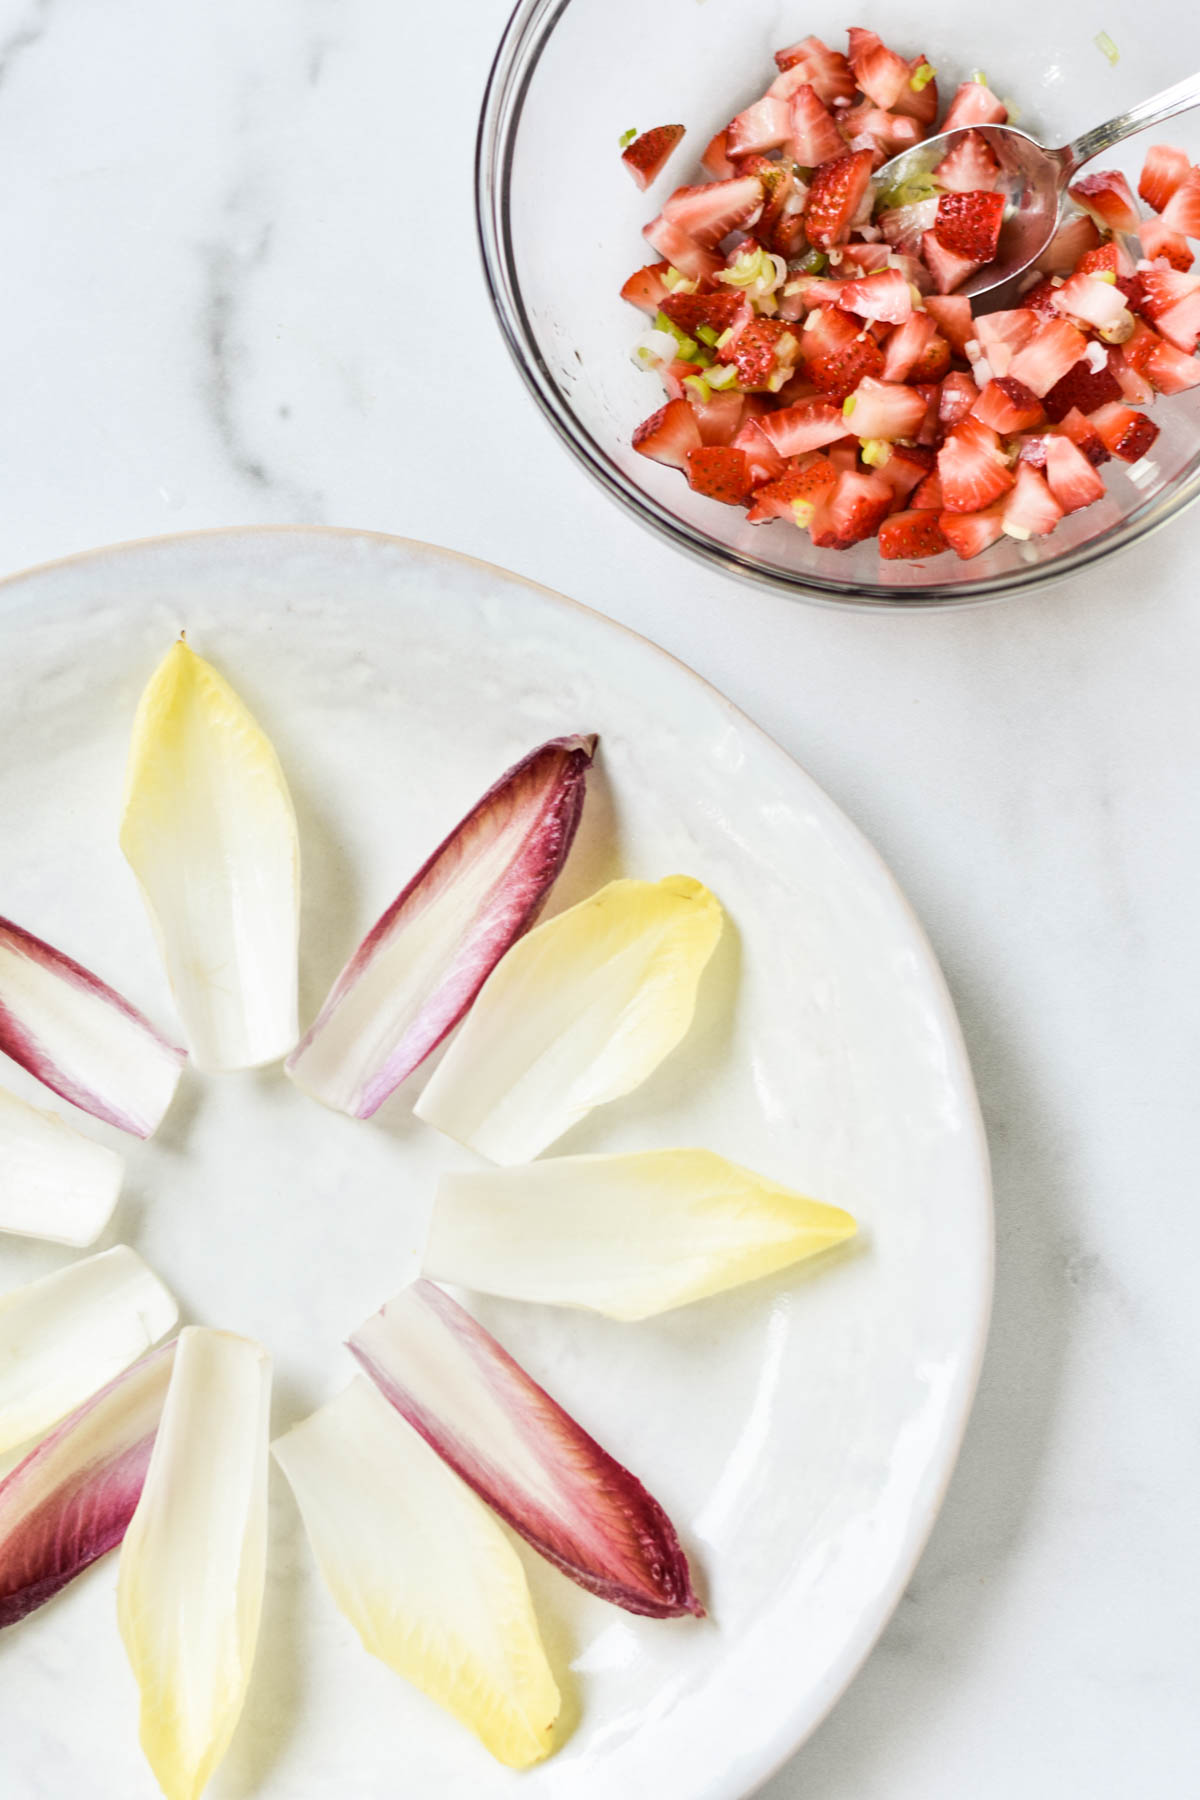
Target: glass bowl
(560, 226)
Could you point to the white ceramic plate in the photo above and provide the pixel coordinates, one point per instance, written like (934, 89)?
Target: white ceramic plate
(800, 1432)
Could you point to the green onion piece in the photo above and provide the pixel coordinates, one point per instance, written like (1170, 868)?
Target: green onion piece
(724, 337)
(921, 77)
(802, 512)
(708, 334)
(1108, 275)
(1106, 46)
(627, 137)
(702, 357)
(876, 452)
(722, 376)
(687, 348)
(979, 76)
(698, 386)
(848, 405)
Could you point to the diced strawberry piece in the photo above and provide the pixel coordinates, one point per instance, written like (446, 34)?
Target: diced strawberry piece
(885, 296)
(690, 311)
(781, 226)
(972, 467)
(958, 396)
(844, 456)
(933, 364)
(974, 104)
(954, 318)
(764, 126)
(1171, 370)
(1030, 509)
(675, 374)
(1092, 301)
(905, 226)
(715, 159)
(809, 425)
(911, 535)
(836, 356)
(927, 495)
(834, 197)
(949, 270)
(883, 409)
(797, 486)
(827, 70)
(815, 136)
(646, 288)
(969, 533)
(719, 417)
(1082, 387)
(1070, 476)
(1104, 256)
(854, 510)
(1124, 433)
(647, 154)
(1054, 348)
(863, 259)
(763, 461)
(1008, 407)
(1172, 300)
(1033, 449)
(1002, 334)
(1164, 170)
(720, 472)
(1126, 364)
(1073, 239)
(1085, 437)
(1159, 240)
(759, 351)
(919, 95)
(711, 211)
(970, 168)
(880, 73)
(885, 134)
(669, 434)
(906, 344)
(1040, 297)
(1182, 211)
(905, 469)
(1106, 196)
(682, 251)
(969, 224)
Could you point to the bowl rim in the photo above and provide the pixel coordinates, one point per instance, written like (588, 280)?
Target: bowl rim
(522, 42)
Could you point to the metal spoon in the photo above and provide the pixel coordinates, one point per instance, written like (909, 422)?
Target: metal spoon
(1033, 177)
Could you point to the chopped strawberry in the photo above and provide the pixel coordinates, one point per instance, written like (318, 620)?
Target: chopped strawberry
(1082, 387)
(1033, 449)
(883, 409)
(675, 374)
(958, 396)
(844, 456)
(885, 296)
(905, 226)
(879, 72)
(1091, 301)
(796, 489)
(969, 533)
(691, 311)
(931, 432)
(864, 259)
(974, 104)
(906, 467)
(711, 211)
(827, 70)
(834, 197)
(809, 425)
(934, 361)
(720, 472)
(1008, 407)
(1182, 211)
(1105, 256)
(1127, 363)
(1170, 369)
(1002, 334)
(970, 168)
(972, 467)
(760, 351)
(719, 417)
(1030, 509)
(919, 95)
(764, 126)
(854, 510)
(815, 136)
(1164, 170)
(927, 495)
(954, 318)
(906, 344)
(1159, 240)
(647, 154)
(835, 355)
(1073, 239)
(763, 461)
(669, 435)
(1085, 437)
(1170, 298)
(1070, 476)
(646, 288)
(1040, 297)
(911, 534)
(1055, 347)
(682, 251)
(781, 227)
(1180, 324)
(885, 134)
(715, 159)
(1106, 196)
(1124, 433)
(969, 224)
(949, 270)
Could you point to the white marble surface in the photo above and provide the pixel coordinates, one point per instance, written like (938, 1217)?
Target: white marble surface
(215, 314)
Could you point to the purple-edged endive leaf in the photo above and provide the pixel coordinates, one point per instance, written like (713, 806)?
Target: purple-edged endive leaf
(79, 1038)
(54, 1182)
(523, 1454)
(64, 1337)
(72, 1498)
(419, 968)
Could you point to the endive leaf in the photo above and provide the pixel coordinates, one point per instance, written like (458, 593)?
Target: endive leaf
(210, 833)
(54, 1183)
(628, 1236)
(421, 965)
(523, 1454)
(189, 1593)
(72, 1498)
(422, 1571)
(65, 1336)
(579, 1012)
(80, 1038)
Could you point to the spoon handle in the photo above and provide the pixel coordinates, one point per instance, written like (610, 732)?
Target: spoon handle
(1162, 106)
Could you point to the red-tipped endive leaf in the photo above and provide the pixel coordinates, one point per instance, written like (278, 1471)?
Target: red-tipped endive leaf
(72, 1498)
(80, 1038)
(523, 1454)
(419, 968)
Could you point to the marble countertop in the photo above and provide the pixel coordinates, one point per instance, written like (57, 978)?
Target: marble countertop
(212, 319)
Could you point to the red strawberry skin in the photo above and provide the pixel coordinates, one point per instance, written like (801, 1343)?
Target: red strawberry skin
(755, 352)
(834, 198)
(1083, 387)
(1106, 195)
(1164, 170)
(646, 288)
(647, 154)
(855, 510)
(669, 435)
(1008, 407)
(1124, 433)
(720, 472)
(690, 311)
(835, 356)
(909, 535)
(809, 484)
(969, 533)
(969, 224)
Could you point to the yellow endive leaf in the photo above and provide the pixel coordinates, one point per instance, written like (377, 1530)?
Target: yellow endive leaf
(422, 1570)
(628, 1235)
(209, 830)
(193, 1562)
(580, 1011)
